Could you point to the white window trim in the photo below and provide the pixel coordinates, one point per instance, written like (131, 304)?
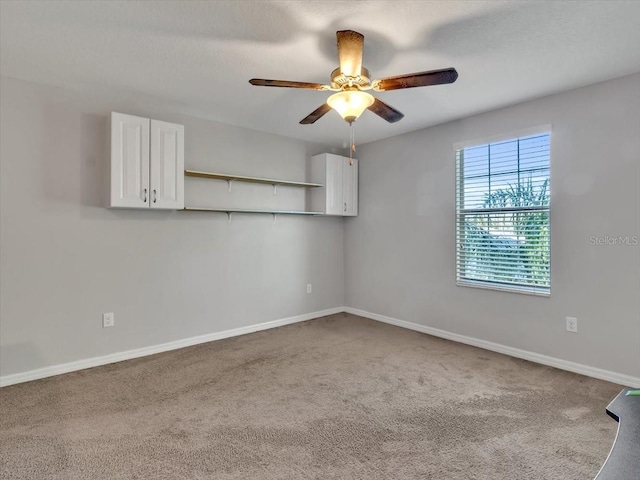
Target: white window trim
(503, 287)
(503, 137)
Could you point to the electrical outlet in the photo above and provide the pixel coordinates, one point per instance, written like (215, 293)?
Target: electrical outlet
(108, 320)
(309, 288)
(572, 324)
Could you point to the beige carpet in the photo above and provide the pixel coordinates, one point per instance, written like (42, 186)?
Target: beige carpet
(334, 398)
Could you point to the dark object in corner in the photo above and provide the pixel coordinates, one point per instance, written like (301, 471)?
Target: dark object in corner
(623, 462)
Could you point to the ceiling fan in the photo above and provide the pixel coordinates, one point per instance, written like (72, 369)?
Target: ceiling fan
(351, 80)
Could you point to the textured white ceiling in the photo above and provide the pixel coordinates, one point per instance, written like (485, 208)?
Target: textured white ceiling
(197, 56)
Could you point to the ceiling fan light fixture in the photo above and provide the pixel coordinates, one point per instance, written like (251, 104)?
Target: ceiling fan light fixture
(350, 103)
(351, 80)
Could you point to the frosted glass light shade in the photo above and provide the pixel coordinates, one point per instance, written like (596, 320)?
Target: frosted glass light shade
(350, 104)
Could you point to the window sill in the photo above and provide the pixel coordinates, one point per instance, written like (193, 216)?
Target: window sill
(501, 287)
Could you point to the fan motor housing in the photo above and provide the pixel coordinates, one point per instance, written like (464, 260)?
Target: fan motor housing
(339, 80)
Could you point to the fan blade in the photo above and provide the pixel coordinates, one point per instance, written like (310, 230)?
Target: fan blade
(261, 82)
(350, 45)
(420, 79)
(316, 114)
(385, 111)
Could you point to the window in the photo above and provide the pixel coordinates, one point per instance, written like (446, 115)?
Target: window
(502, 215)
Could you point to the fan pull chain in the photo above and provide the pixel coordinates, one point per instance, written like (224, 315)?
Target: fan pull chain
(352, 148)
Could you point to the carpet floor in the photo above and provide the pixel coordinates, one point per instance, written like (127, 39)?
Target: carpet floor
(339, 397)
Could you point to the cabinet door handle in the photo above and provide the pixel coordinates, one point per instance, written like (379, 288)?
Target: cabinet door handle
(145, 196)
(345, 206)
(155, 196)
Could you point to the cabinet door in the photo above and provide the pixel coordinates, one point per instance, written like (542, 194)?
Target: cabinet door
(167, 165)
(350, 188)
(129, 161)
(333, 185)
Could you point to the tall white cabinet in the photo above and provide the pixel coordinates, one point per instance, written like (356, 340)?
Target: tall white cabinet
(339, 196)
(147, 163)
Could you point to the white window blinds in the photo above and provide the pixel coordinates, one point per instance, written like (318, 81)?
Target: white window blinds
(502, 215)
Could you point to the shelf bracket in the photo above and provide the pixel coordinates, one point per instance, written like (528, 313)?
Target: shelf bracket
(229, 183)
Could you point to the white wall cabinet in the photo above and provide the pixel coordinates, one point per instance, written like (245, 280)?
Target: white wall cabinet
(147, 163)
(340, 193)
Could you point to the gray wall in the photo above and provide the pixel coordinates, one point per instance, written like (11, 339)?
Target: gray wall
(65, 259)
(400, 250)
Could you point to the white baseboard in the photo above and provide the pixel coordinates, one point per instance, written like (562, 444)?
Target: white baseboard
(53, 370)
(153, 349)
(607, 375)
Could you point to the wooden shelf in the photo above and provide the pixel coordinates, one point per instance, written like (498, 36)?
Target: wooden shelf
(246, 210)
(240, 178)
